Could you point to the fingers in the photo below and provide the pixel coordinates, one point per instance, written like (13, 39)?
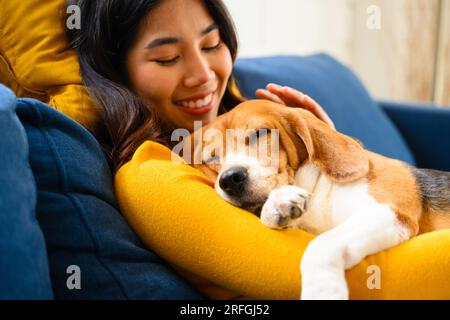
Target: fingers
(310, 104)
(319, 112)
(265, 94)
(295, 98)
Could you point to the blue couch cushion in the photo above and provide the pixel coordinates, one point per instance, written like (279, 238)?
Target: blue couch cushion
(24, 272)
(79, 217)
(423, 127)
(336, 89)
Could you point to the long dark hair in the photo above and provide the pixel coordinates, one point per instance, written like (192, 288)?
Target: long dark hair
(108, 29)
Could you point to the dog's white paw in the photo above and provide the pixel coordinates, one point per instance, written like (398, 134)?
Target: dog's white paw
(283, 206)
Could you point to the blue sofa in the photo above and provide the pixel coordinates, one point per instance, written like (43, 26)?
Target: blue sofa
(61, 234)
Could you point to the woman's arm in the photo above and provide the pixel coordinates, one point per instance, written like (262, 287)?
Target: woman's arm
(177, 213)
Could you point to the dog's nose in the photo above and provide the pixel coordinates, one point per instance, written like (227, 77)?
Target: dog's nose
(233, 180)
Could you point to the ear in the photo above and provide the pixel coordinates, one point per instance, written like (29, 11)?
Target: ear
(294, 147)
(340, 157)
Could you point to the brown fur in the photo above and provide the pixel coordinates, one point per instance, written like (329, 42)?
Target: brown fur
(391, 182)
(338, 156)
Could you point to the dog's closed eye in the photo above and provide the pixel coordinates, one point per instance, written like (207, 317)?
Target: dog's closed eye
(212, 160)
(256, 134)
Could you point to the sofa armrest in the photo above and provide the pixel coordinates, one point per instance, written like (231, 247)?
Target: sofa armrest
(426, 129)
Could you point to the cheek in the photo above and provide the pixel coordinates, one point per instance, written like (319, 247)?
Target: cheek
(152, 84)
(223, 64)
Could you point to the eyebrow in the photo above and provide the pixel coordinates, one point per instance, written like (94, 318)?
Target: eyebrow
(171, 40)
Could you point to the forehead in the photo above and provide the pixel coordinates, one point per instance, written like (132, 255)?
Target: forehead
(176, 18)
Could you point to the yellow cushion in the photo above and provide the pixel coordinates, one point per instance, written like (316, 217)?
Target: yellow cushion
(176, 212)
(35, 60)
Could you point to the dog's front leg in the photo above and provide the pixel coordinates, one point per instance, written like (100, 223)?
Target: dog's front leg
(331, 253)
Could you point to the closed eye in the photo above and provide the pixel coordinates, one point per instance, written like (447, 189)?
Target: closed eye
(254, 135)
(167, 62)
(217, 46)
(211, 160)
(262, 132)
(172, 61)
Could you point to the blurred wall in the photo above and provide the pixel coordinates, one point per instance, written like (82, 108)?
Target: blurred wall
(399, 48)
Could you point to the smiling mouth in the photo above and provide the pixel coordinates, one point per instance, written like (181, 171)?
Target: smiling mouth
(197, 108)
(197, 104)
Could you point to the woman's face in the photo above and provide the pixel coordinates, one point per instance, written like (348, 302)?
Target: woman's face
(179, 64)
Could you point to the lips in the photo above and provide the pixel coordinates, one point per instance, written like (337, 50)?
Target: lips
(201, 104)
(196, 103)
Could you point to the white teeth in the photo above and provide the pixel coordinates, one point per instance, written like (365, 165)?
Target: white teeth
(197, 104)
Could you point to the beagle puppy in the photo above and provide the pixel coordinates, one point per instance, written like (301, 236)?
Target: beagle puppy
(324, 182)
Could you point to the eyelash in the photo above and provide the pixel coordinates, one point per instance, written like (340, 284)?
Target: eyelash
(217, 46)
(212, 160)
(171, 61)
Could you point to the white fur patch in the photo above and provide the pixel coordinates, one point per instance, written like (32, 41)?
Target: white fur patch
(330, 203)
(351, 225)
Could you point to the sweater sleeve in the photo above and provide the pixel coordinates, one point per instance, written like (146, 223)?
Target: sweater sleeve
(176, 212)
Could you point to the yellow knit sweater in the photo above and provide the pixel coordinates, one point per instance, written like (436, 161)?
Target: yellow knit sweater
(176, 211)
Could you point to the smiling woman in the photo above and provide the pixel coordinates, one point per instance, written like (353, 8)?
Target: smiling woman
(180, 69)
(155, 65)
(161, 65)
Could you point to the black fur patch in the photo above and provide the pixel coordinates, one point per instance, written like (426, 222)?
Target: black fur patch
(435, 188)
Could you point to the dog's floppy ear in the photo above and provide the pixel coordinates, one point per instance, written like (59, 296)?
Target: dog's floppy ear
(340, 157)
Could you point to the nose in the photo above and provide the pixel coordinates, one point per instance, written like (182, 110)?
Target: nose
(232, 181)
(199, 71)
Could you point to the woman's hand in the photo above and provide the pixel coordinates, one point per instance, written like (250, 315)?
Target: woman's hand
(293, 98)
